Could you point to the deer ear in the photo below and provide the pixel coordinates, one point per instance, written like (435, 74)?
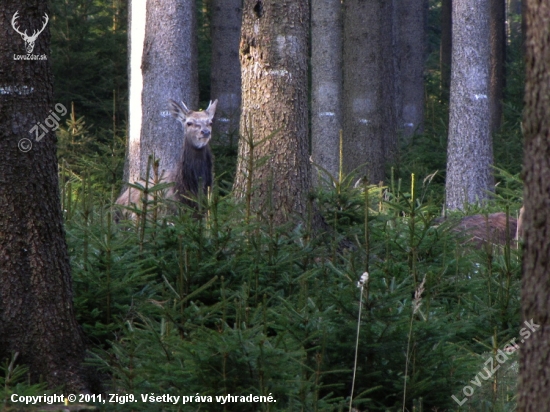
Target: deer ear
(211, 108)
(180, 112)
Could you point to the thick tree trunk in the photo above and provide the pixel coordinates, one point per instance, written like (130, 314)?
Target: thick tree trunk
(169, 69)
(370, 137)
(410, 52)
(226, 72)
(274, 69)
(36, 309)
(446, 47)
(534, 386)
(326, 81)
(136, 35)
(470, 151)
(498, 61)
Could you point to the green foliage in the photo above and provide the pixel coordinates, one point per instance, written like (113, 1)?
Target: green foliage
(89, 58)
(13, 380)
(222, 301)
(216, 303)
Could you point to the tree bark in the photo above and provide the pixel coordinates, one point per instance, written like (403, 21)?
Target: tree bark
(534, 385)
(446, 47)
(370, 138)
(326, 82)
(274, 68)
(410, 52)
(37, 318)
(225, 67)
(169, 69)
(470, 151)
(498, 61)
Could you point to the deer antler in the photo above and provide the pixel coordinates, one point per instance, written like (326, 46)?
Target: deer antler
(15, 17)
(35, 34)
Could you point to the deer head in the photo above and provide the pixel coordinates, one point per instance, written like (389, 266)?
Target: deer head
(197, 126)
(29, 40)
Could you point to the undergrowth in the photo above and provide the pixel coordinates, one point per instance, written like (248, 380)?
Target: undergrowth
(217, 303)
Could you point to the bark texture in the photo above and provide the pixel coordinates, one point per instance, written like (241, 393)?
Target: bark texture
(498, 61)
(534, 375)
(470, 151)
(225, 76)
(36, 300)
(370, 137)
(274, 69)
(170, 71)
(410, 54)
(326, 81)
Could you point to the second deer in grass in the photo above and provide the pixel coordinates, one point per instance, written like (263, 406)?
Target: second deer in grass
(480, 229)
(192, 175)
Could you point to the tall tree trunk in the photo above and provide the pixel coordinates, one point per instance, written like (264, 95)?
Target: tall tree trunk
(470, 151)
(274, 69)
(370, 138)
(326, 81)
(498, 61)
(446, 47)
(169, 70)
(36, 300)
(534, 387)
(136, 35)
(226, 72)
(410, 52)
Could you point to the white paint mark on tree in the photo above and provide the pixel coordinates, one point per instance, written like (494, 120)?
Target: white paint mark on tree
(20, 90)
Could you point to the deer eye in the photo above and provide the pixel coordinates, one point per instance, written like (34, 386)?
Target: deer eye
(189, 123)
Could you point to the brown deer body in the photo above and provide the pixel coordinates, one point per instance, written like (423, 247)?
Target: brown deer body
(480, 229)
(193, 174)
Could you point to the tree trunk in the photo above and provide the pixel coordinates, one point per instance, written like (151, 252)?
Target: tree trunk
(498, 61)
(410, 52)
(326, 81)
(534, 386)
(470, 151)
(169, 70)
(225, 67)
(274, 68)
(370, 138)
(446, 47)
(37, 318)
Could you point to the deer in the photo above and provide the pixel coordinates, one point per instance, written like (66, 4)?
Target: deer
(480, 229)
(192, 175)
(29, 40)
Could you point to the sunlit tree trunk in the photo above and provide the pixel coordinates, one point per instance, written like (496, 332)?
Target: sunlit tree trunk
(326, 81)
(534, 386)
(165, 69)
(274, 69)
(470, 151)
(37, 318)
